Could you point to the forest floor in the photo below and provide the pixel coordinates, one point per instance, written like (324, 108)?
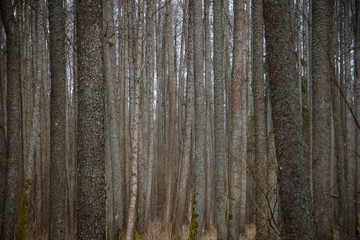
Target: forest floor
(157, 232)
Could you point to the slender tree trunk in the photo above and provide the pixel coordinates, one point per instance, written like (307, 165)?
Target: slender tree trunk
(321, 51)
(172, 112)
(261, 157)
(209, 212)
(237, 154)
(58, 121)
(185, 160)
(91, 195)
(2, 131)
(200, 120)
(357, 110)
(294, 187)
(143, 141)
(14, 154)
(349, 126)
(339, 139)
(135, 124)
(150, 76)
(114, 196)
(220, 194)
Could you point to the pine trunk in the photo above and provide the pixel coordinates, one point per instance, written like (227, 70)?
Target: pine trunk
(294, 191)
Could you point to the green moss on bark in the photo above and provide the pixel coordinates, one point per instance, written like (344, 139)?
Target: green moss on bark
(21, 229)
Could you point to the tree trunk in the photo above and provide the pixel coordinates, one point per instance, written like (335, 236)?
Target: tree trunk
(135, 124)
(172, 113)
(2, 125)
(349, 125)
(14, 154)
(91, 195)
(321, 51)
(357, 110)
(261, 157)
(200, 120)
(58, 121)
(150, 76)
(237, 154)
(220, 189)
(185, 160)
(209, 212)
(294, 187)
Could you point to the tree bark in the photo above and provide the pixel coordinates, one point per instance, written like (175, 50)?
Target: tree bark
(220, 189)
(261, 157)
(349, 125)
(91, 194)
(209, 212)
(150, 76)
(237, 154)
(14, 154)
(58, 121)
(135, 123)
(185, 160)
(172, 112)
(321, 51)
(294, 186)
(357, 110)
(200, 120)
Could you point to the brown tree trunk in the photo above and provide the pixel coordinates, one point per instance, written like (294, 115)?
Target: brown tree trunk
(57, 199)
(185, 160)
(219, 130)
(357, 110)
(200, 119)
(14, 154)
(261, 158)
(209, 212)
(90, 139)
(294, 187)
(237, 154)
(150, 76)
(172, 113)
(321, 51)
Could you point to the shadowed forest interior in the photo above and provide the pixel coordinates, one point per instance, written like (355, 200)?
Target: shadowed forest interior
(180, 119)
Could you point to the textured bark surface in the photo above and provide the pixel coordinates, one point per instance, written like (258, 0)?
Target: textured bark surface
(135, 124)
(58, 121)
(14, 154)
(321, 51)
(91, 108)
(237, 154)
(219, 138)
(261, 159)
(2, 137)
(293, 183)
(200, 119)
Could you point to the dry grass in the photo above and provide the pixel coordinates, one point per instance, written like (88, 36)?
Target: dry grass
(157, 232)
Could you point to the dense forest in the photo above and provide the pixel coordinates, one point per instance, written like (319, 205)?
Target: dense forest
(180, 119)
